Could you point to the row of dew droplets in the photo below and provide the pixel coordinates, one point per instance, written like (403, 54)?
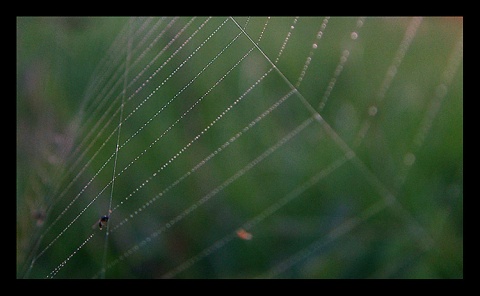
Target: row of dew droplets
(284, 200)
(61, 265)
(108, 64)
(74, 179)
(99, 133)
(196, 138)
(83, 189)
(410, 33)
(188, 211)
(338, 70)
(94, 132)
(183, 115)
(423, 237)
(182, 150)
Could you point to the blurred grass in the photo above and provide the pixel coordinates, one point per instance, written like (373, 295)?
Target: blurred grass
(56, 58)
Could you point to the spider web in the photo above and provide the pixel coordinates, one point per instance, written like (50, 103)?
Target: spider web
(311, 134)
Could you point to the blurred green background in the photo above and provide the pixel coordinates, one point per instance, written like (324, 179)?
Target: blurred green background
(339, 227)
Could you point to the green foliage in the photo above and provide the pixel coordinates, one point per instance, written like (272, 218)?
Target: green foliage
(395, 209)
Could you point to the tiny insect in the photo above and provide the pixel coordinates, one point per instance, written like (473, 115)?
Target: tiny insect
(102, 221)
(243, 234)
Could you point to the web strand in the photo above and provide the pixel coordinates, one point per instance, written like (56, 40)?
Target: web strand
(296, 193)
(150, 146)
(410, 33)
(372, 178)
(96, 174)
(211, 194)
(105, 247)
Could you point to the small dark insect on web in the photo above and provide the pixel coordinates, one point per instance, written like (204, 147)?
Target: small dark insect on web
(102, 221)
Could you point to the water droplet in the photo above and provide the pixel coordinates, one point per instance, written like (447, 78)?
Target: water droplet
(354, 35)
(314, 46)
